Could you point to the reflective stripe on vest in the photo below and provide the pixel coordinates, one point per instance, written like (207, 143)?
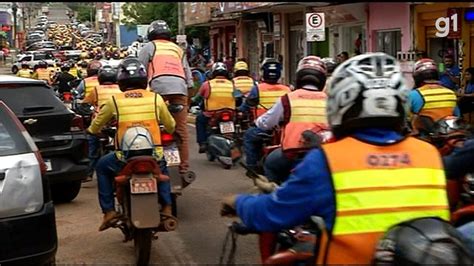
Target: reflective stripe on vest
(167, 60)
(105, 92)
(268, 94)
(377, 187)
(244, 84)
(220, 95)
(438, 101)
(307, 111)
(137, 108)
(90, 84)
(43, 74)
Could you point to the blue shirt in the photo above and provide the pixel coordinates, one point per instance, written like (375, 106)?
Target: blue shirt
(469, 88)
(307, 192)
(446, 81)
(417, 103)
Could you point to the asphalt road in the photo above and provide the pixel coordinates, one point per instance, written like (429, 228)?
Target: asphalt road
(198, 239)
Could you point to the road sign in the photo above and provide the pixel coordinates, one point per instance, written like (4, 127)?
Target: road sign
(315, 28)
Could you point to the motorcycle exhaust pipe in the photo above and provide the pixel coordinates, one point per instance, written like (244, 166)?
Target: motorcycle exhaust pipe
(188, 178)
(168, 224)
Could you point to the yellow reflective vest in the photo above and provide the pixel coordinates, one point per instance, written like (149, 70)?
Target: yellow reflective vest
(220, 95)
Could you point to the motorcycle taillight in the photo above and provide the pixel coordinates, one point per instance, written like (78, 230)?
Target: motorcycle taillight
(166, 138)
(142, 167)
(77, 123)
(225, 117)
(67, 96)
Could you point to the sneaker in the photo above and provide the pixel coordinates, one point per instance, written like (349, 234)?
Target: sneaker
(110, 218)
(202, 148)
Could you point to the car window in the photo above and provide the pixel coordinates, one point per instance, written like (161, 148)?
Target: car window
(26, 58)
(25, 99)
(40, 56)
(11, 139)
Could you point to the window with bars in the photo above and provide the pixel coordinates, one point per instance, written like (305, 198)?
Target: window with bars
(389, 41)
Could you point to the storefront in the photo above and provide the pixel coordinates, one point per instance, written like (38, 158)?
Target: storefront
(223, 39)
(436, 47)
(388, 27)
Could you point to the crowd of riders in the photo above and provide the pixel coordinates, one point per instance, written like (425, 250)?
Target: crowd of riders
(353, 143)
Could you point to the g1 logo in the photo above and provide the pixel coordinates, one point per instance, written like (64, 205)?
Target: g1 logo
(443, 30)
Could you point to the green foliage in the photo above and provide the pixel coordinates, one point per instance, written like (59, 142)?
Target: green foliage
(146, 12)
(84, 10)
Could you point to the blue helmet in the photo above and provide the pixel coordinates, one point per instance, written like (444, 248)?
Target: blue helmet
(271, 70)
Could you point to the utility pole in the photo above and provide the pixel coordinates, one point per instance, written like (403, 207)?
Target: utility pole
(181, 27)
(14, 9)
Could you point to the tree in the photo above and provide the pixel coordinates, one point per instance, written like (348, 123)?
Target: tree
(145, 13)
(85, 11)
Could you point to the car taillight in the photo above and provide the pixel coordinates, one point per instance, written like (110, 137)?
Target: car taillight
(41, 163)
(225, 117)
(77, 123)
(166, 138)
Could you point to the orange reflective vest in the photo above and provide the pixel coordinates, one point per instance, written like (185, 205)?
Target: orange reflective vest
(244, 84)
(137, 108)
(377, 187)
(268, 94)
(438, 101)
(220, 95)
(43, 74)
(105, 92)
(167, 60)
(307, 111)
(90, 84)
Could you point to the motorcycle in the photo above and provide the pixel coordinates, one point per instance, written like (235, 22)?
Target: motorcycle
(447, 134)
(173, 159)
(136, 191)
(221, 144)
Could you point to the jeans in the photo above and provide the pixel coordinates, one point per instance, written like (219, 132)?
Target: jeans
(253, 146)
(181, 119)
(278, 167)
(93, 153)
(467, 230)
(201, 128)
(459, 162)
(108, 167)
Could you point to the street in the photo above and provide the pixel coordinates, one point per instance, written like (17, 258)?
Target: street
(198, 239)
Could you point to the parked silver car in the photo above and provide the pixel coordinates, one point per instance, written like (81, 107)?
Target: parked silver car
(27, 219)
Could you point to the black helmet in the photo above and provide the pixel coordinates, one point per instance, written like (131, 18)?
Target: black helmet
(131, 75)
(84, 64)
(271, 70)
(42, 64)
(311, 70)
(107, 74)
(219, 69)
(422, 241)
(330, 63)
(159, 29)
(140, 38)
(65, 67)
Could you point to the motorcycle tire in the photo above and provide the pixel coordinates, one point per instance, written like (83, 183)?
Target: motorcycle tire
(142, 243)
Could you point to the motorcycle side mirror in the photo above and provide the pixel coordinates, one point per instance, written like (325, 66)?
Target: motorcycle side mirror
(251, 101)
(175, 108)
(237, 94)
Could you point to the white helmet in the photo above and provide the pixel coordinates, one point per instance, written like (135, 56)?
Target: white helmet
(137, 139)
(367, 90)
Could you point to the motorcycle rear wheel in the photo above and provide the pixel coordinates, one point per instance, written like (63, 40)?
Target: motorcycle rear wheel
(142, 243)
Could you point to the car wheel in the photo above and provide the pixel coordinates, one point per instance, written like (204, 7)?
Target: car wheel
(65, 192)
(14, 69)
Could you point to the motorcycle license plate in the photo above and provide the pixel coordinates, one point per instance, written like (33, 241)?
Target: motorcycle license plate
(171, 154)
(143, 185)
(227, 127)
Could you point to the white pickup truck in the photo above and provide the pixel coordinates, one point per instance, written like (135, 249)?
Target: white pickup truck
(32, 59)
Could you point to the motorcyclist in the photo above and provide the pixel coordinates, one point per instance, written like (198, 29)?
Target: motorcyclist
(88, 84)
(107, 88)
(42, 72)
(74, 70)
(303, 109)
(263, 95)
(351, 183)
(331, 64)
(63, 78)
(430, 99)
(217, 94)
(170, 76)
(242, 81)
(134, 107)
(25, 71)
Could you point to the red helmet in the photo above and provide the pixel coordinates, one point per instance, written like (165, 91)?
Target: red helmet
(425, 69)
(311, 70)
